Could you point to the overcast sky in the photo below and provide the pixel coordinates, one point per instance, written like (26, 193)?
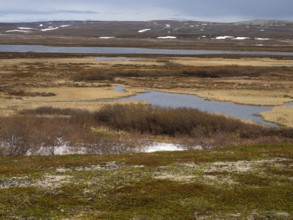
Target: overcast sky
(207, 10)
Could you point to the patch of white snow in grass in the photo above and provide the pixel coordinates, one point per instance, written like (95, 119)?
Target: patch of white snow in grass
(241, 38)
(24, 28)
(167, 37)
(62, 148)
(19, 31)
(110, 37)
(224, 37)
(65, 25)
(156, 147)
(50, 28)
(144, 30)
(259, 38)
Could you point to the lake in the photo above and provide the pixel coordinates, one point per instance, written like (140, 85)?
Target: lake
(124, 50)
(174, 100)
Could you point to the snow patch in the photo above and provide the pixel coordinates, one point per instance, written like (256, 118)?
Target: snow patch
(144, 30)
(24, 28)
(19, 31)
(224, 37)
(62, 148)
(241, 38)
(168, 25)
(65, 25)
(156, 147)
(109, 37)
(167, 37)
(41, 25)
(259, 38)
(50, 28)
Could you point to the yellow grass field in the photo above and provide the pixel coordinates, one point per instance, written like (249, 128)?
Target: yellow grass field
(282, 115)
(224, 62)
(248, 97)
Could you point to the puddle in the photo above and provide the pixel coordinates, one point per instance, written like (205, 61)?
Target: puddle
(119, 89)
(289, 104)
(173, 100)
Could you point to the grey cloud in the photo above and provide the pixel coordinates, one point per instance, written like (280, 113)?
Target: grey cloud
(47, 12)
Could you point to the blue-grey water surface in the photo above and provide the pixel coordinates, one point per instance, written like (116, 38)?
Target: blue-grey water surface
(124, 50)
(173, 100)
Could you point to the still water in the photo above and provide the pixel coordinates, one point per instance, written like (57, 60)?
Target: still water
(124, 50)
(173, 100)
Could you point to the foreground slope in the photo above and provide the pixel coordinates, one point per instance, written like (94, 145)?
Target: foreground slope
(248, 182)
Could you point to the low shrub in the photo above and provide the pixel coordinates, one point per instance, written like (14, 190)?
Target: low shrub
(118, 128)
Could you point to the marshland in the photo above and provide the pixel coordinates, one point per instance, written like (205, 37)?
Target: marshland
(146, 136)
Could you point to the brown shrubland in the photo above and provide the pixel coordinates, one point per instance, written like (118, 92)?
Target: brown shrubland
(117, 128)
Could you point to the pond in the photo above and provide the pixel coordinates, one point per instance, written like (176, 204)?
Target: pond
(173, 100)
(127, 50)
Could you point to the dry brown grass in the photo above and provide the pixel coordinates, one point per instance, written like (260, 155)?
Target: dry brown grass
(65, 97)
(248, 97)
(27, 81)
(264, 62)
(282, 115)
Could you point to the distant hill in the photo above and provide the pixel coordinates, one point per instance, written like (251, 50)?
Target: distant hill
(265, 22)
(157, 33)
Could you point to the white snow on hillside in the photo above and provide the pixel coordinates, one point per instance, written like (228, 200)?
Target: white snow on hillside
(167, 37)
(156, 147)
(65, 25)
(159, 147)
(41, 25)
(224, 37)
(144, 30)
(241, 38)
(20, 31)
(24, 28)
(258, 38)
(50, 28)
(231, 37)
(109, 37)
